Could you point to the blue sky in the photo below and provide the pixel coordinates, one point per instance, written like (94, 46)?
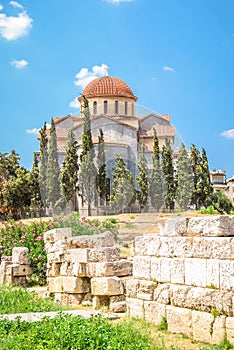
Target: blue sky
(176, 55)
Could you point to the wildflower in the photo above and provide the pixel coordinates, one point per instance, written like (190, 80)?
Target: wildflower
(39, 257)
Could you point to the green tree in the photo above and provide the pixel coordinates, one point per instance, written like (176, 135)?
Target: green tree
(221, 202)
(123, 190)
(184, 179)
(53, 171)
(9, 164)
(205, 180)
(36, 201)
(69, 172)
(156, 180)
(88, 172)
(103, 183)
(168, 174)
(43, 164)
(16, 194)
(142, 180)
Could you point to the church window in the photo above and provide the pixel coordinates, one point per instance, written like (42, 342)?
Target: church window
(95, 107)
(105, 107)
(116, 107)
(126, 108)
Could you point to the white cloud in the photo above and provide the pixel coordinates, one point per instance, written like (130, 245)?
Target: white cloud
(12, 28)
(19, 64)
(33, 131)
(85, 76)
(74, 103)
(1, 7)
(16, 4)
(229, 134)
(168, 69)
(117, 1)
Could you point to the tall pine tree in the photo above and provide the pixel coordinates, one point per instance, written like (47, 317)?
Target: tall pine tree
(53, 171)
(88, 172)
(103, 183)
(142, 180)
(184, 179)
(197, 176)
(123, 190)
(168, 173)
(36, 201)
(69, 172)
(43, 164)
(205, 180)
(156, 179)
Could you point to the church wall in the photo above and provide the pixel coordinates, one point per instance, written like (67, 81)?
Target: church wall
(67, 123)
(151, 121)
(111, 105)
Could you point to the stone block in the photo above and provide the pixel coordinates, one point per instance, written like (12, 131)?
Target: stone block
(155, 269)
(162, 294)
(53, 269)
(167, 226)
(79, 270)
(19, 270)
(147, 245)
(195, 272)
(165, 270)
(202, 323)
(230, 329)
(132, 287)
(20, 256)
(146, 290)
(60, 245)
(211, 226)
(179, 320)
(154, 311)
(104, 254)
(55, 284)
(218, 330)
(57, 257)
(135, 307)
(118, 307)
(142, 267)
(77, 255)
(227, 274)
(106, 286)
(115, 268)
(57, 234)
(75, 285)
(179, 295)
(212, 273)
(105, 239)
(177, 271)
(69, 299)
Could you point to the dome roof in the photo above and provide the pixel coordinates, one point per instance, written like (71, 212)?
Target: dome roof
(108, 86)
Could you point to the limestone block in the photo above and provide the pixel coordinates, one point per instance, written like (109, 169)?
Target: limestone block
(60, 245)
(53, 269)
(106, 286)
(118, 307)
(77, 255)
(105, 239)
(162, 294)
(135, 307)
(3, 266)
(57, 234)
(167, 227)
(104, 254)
(213, 247)
(79, 270)
(71, 299)
(55, 284)
(147, 245)
(219, 330)
(57, 257)
(117, 298)
(146, 290)
(154, 311)
(227, 274)
(132, 287)
(177, 270)
(155, 269)
(195, 272)
(64, 268)
(202, 326)
(115, 268)
(20, 256)
(142, 267)
(230, 329)
(215, 226)
(212, 273)
(19, 270)
(165, 275)
(75, 285)
(179, 295)
(179, 320)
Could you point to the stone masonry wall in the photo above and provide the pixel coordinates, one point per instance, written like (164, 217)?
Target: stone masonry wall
(186, 274)
(86, 269)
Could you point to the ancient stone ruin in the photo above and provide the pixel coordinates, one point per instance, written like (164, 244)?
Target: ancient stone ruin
(86, 269)
(186, 275)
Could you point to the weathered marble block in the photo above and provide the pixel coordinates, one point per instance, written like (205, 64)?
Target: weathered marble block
(142, 267)
(135, 307)
(179, 320)
(106, 286)
(207, 328)
(195, 272)
(154, 311)
(77, 255)
(75, 285)
(215, 226)
(57, 234)
(16, 270)
(104, 254)
(105, 239)
(115, 268)
(20, 256)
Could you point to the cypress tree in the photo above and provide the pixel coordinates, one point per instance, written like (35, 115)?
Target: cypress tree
(205, 180)
(184, 179)
(142, 180)
(88, 170)
(103, 184)
(53, 171)
(168, 173)
(124, 193)
(156, 179)
(36, 201)
(69, 172)
(197, 176)
(43, 164)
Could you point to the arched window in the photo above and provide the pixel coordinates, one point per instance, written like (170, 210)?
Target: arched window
(126, 108)
(95, 107)
(116, 107)
(105, 107)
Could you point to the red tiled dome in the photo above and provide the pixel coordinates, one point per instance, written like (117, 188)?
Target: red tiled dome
(108, 86)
